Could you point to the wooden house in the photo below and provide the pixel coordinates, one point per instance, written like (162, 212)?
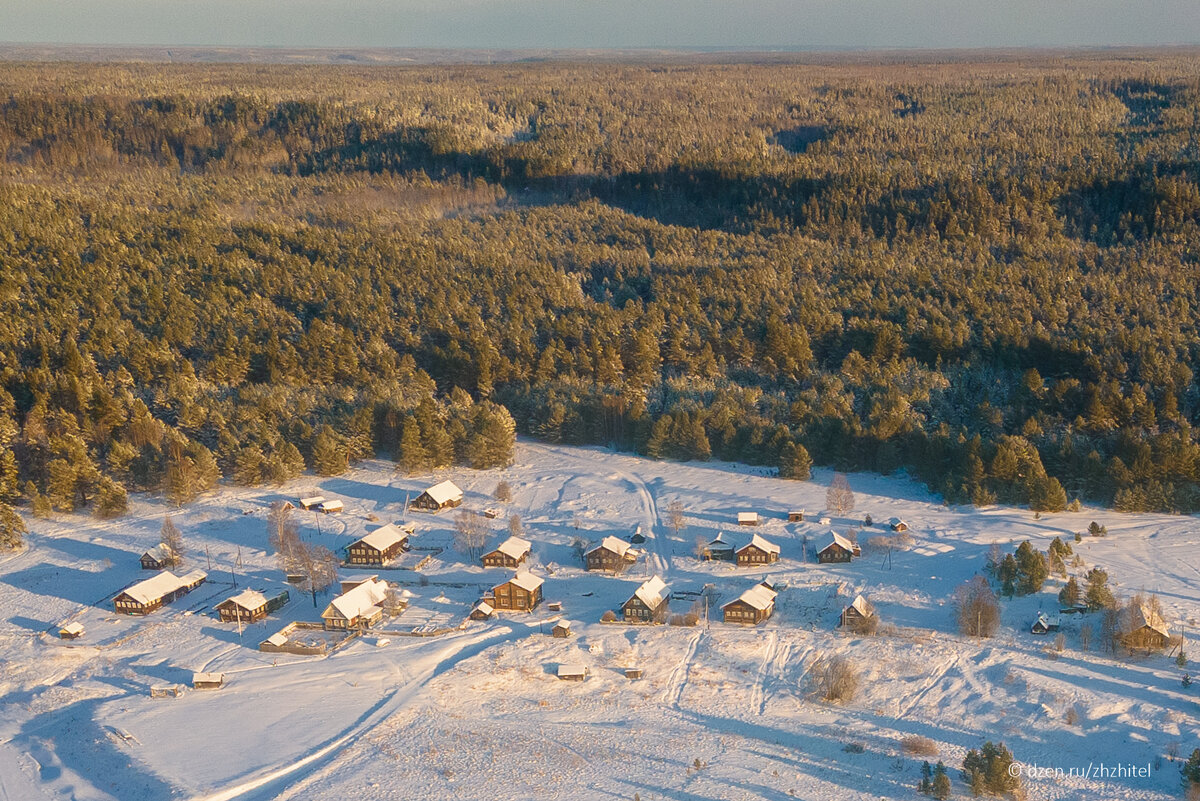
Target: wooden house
(157, 558)
(511, 553)
(71, 631)
(521, 593)
(611, 554)
(250, 606)
(751, 608)
(1044, 624)
(562, 629)
(796, 516)
(312, 502)
(857, 613)
(839, 549)
(445, 495)
(350, 582)
(149, 595)
(208, 681)
(897, 524)
(637, 537)
(757, 551)
(649, 602)
(482, 611)
(718, 549)
(572, 672)
(747, 518)
(331, 507)
(379, 547)
(360, 608)
(1143, 627)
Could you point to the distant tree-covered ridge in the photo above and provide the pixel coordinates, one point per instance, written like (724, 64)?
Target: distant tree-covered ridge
(985, 274)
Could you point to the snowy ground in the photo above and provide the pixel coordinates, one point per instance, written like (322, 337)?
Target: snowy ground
(721, 713)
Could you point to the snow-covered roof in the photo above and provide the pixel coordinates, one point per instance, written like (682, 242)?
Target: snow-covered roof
(193, 578)
(247, 599)
(329, 506)
(527, 581)
(762, 544)
(155, 587)
(572, 670)
(360, 601)
(617, 546)
(1145, 617)
(838, 539)
(484, 607)
(73, 628)
(312, 500)
(862, 606)
(514, 547)
(757, 596)
(747, 517)
(278, 639)
(444, 492)
(895, 521)
(160, 553)
(208, 678)
(385, 537)
(564, 624)
(652, 592)
(719, 540)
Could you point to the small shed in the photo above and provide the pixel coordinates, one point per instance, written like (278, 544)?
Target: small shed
(445, 495)
(482, 611)
(491, 513)
(796, 516)
(158, 557)
(897, 524)
(637, 537)
(572, 672)
(562, 629)
(208, 681)
(312, 502)
(71, 631)
(824, 521)
(1044, 624)
(758, 551)
(331, 507)
(747, 518)
(633, 673)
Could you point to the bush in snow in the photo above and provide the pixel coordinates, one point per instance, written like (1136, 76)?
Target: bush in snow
(835, 678)
(977, 609)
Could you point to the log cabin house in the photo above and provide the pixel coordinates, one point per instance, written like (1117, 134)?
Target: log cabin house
(482, 611)
(750, 608)
(1044, 623)
(839, 549)
(718, 549)
(71, 631)
(611, 554)
(649, 602)
(379, 547)
(158, 558)
(511, 553)
(250, 606)
(1143, 627)
(445, 495)
(757, 551)
(208, 681)
(312, 502)
(857, 613)
(521, 593)
(149, 595)
(360, 608)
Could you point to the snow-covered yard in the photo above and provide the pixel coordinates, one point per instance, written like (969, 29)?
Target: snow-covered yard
(721, 712)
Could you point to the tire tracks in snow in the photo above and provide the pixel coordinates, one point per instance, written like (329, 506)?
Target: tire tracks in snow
(758, 700)
(674, 689)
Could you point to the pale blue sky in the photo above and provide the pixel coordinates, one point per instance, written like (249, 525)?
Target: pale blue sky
(604, 23)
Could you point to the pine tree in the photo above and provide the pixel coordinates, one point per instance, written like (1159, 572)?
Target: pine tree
(925, 787)
(248, 467)
(328, 454)
(412, 457)
(39, 504)
(494, 439)
(1098, 595)
(795, 463)
(12, 528)
(1068, 596)
(111, 499)
(1097, 530)
(207, 472)
(182, 483)
(1007, 574)
(941, 783)
(10, 489)
(1182, 659)
(1031, 569)
(60, 486)
(660, 432)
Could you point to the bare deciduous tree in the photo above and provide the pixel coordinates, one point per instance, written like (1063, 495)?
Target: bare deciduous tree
(470, 533)
(835, 678)
(503, 492)
(977, 609)
(839, 498)
(515, 528)
(173, 540)
(1085, 637)
(675, 515)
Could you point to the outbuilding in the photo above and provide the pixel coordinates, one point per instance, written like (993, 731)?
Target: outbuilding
(312, 502)
(718, 549)
(758, 551)
(897, 524)
(1044, 624)
(857, 614)
(747, 518)
(482, 611)
(511, 553)
(71, 631)
(562, 629)
(331, 507)
(445, 495)
(208, 681)
(796, 516)
(572, 672)
(521, 593)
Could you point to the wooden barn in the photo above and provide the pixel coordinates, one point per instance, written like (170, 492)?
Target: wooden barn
(71, 631)
(157, 558)
(511, 553)
(718, 549)
(521, 593)
(572, 672)
(562, 629)
(897, 524)
(857, 613)
(250, 606)
(445, 495)
(796, 516)
(482, 611)
(1044, 624)
(360, 608)
(149, 595)
(839, 549)
(649, 602)
(752, 607)
(208, 681)
(757, 551)
(312, 502)
(747, 518)
(1143, 627)
(611, 554)
(379, 547)
(331, 507)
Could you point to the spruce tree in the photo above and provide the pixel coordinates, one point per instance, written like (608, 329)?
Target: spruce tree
(328, 455)
(12, 528)
(1031, 569)
(1007, 574)
(941, 783)
(412, 457)
(1098, 595)
(60, 485)
(248, 466)
(10, 489)
(1068, 596)
(494, 438)
(795, 463)
(111, 499)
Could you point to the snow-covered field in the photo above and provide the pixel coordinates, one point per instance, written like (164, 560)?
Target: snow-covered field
(721, 713)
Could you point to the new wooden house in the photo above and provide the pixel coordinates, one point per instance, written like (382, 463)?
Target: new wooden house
(521, 593)
(157, 558)
(757, 551)
(511, 553)
(445, 495)
(857, 614)
(611, 554)
(649, 602)
(379, 547)
(750, 608)
(839, 549)
(360, 608)
(149, 595)
(250, 606)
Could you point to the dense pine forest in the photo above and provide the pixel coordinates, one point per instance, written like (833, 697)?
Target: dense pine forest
(983, 273)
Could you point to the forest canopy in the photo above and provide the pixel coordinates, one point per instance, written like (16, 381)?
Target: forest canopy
(982, 273)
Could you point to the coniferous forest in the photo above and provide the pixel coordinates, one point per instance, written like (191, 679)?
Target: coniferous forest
(984, 273)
